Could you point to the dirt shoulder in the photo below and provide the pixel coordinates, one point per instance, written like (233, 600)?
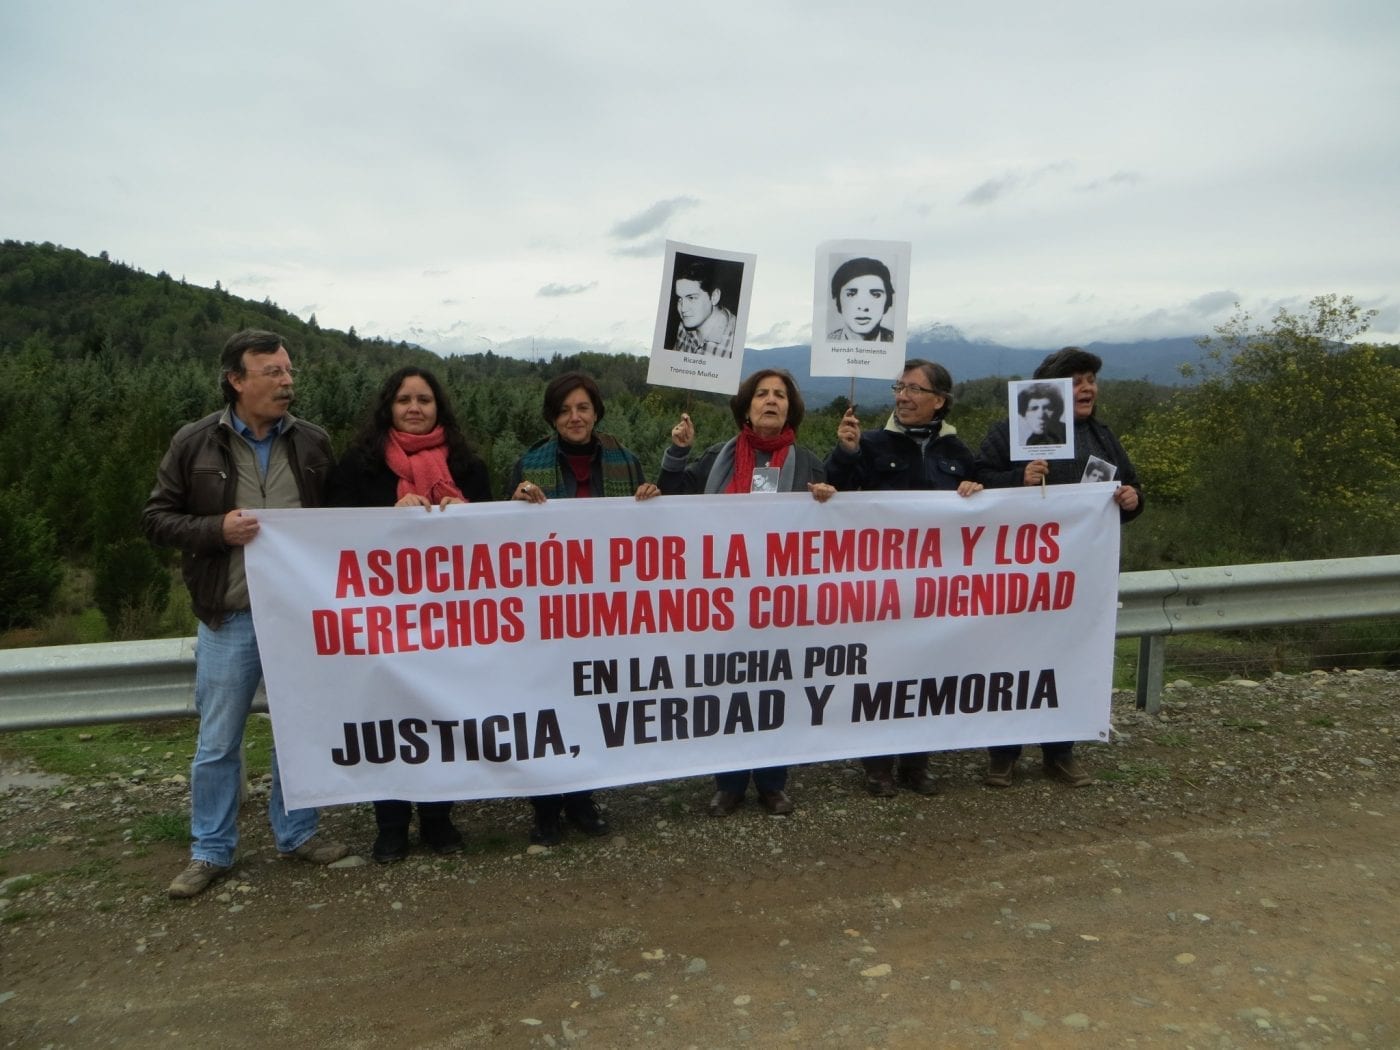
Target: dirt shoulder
(1230, 878)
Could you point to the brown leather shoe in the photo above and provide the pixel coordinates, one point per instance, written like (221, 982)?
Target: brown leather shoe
(725, 803)
(1000, 769)
(920, 781)
(776, 803)
(318, 850)
(1067, 770)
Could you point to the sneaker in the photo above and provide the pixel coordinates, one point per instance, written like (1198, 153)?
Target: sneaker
(196, 878)
(317, 850)
(442, 837)
(547, 831)
(1067, 770)
(1000, 769)
(390, 845)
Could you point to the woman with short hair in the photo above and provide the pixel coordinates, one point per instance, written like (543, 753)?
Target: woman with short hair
(763, 457)
(919, 449)
(576, 461)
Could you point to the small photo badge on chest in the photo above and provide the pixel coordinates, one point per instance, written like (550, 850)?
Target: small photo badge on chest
(1099, 470)
(765, 479)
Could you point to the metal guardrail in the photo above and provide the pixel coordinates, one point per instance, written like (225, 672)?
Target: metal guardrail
(1163, 602)
(68, 685)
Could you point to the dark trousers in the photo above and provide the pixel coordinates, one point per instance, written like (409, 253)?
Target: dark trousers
(553, 805)
(396, 813)
(883, 765)
(1050, 751)
(774, 778)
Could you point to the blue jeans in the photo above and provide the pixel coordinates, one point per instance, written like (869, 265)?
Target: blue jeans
(227, 672)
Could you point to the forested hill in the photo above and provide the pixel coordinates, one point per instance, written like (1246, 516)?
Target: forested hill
(1288, 446)
(99, 321)
(79, 306)
(101, 363)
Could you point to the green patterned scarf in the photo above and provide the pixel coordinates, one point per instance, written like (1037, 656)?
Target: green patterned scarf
(540, 465)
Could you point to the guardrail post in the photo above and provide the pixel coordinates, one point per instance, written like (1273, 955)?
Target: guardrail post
(1152, 657)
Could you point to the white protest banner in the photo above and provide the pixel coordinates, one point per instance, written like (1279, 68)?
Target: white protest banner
(500, 650)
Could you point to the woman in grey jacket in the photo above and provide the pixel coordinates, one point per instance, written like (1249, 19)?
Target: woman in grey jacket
(763, 457)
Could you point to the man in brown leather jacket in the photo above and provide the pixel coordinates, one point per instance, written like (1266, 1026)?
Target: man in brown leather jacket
(217, 473)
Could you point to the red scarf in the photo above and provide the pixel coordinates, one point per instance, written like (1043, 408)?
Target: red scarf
(420, 461)
(742, 481)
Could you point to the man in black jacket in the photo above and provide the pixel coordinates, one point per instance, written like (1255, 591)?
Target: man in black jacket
(218, 471)
(996, 469)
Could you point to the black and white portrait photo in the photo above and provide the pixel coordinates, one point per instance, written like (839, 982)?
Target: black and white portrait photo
(1097, 469)
(860, 307)
(700, 319)
(1040, 428)
(1040, 407)
(863, 294)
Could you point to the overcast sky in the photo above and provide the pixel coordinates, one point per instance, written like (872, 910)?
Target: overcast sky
(467, 175)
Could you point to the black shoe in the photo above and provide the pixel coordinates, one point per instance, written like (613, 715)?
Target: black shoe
(725, 803)
(776, 803)
(442, 837)
(881, 785)
(546, 831)
(919, 781)
(583, 814)
(390, 845)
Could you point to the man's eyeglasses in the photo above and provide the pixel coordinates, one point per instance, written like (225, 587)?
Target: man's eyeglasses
(913, 388)
(277, 372)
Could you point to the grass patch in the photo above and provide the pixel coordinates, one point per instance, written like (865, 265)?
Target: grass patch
(1135, 773)
(9, 918)
(90, 868)
(170, 826)
(33, 841)
(28, 882)
(1257, 653)
(1175, 740)
(160, 748)
(491, 842)
(1322, 722)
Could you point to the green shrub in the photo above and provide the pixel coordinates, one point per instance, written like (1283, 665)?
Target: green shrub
(30, 569)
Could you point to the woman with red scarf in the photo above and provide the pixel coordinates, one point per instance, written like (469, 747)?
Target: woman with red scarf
(763, 457)
(410, 453)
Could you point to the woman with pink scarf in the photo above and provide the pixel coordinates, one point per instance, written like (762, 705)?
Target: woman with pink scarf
(763, 457)
(410, 453)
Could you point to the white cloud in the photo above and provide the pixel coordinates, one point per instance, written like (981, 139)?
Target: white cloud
(651, 219)
(554, 291)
